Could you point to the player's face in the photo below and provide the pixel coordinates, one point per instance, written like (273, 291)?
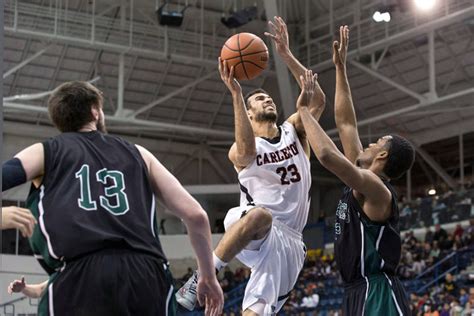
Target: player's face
(366, 157)
(262, 108)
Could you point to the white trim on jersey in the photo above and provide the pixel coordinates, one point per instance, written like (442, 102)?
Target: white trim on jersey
(43, 226)
(50, 300)
(153, 220)
(393, 295)
(168, 299)
(362, 263)
(366, 294)
(378, 239)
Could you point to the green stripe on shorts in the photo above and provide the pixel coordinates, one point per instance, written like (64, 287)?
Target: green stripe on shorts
(379, 299)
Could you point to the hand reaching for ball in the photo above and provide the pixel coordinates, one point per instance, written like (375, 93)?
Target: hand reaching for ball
(228, 77)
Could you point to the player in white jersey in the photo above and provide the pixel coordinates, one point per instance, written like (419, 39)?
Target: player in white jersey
(273, 167)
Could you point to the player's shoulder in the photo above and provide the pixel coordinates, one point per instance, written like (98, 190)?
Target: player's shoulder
(288, 127)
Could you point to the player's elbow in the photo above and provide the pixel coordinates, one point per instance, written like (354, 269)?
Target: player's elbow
(326, 157)
(246, 158)
(197, 218)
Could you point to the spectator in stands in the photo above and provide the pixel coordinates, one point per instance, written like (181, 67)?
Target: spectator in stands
(458, 243)
(426, 251)
(405, 216)
(446, 311)
(435, 251)
(463, 297)
(429, 235)
(459, 231)
(449, 287)
(440, 234)
(469, 232)
(418, 265)
(457, 309)
(292, 304)
(410, 238)
(429, 310)
(448, 243)
(311, 299)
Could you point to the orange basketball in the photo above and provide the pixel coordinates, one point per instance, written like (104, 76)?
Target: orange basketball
(247, 53)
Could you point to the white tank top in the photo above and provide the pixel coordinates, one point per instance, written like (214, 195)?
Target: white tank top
(279, 178)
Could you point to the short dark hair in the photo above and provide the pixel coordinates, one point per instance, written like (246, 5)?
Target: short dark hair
(251, 93)
(401, 156)
(70, 105)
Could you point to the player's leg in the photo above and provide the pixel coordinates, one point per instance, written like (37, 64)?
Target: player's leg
(258, 308)
(243, 225)
(254, 225)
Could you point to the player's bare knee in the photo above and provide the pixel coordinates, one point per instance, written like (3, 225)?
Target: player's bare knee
(261, 219)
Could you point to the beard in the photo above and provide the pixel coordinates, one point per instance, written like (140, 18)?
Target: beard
(266, 117)
(101, 125)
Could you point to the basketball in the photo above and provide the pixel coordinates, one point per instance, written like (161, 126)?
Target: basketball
(247, 53)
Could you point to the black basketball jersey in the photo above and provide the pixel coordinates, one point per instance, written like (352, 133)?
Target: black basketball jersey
(363, 247)
(95, 195)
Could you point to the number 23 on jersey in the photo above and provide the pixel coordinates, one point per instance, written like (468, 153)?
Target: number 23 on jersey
(293, 176)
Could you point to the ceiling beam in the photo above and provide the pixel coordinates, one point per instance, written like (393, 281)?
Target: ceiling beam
(444, 131)
(411, 108)
(216, 165)
(25, 62)
(137, 122)
(172, 94)
(117, 48)
(283, 76)
(387, 80)
(436, 167)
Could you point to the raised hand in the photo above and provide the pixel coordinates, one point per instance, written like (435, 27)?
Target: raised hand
(20, 218)
(209, 293)
(339, 49)
(17, 286)
(309, 87)
(228, 77)
(279, 36)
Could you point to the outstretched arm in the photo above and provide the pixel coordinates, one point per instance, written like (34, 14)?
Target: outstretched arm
(343, 107)
(30, 290)
(280, 38)
(377, 196)
(243, 151)
(184, 206)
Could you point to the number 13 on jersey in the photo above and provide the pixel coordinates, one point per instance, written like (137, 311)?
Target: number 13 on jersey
(114, 190)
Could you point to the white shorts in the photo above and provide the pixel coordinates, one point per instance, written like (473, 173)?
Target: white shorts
(275, 262)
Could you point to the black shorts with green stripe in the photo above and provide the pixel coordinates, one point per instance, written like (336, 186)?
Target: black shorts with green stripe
(374, 295)
(115, 282)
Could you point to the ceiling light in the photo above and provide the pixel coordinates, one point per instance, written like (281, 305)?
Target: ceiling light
(425, 4)
(381, 17)
(432, 192)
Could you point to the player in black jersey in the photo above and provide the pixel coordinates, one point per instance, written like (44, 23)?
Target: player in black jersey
(93, 196)
(367, 240)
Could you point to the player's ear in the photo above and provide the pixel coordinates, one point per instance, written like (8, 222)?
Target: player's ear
(382, 155)
(95, 113)
(249, 113)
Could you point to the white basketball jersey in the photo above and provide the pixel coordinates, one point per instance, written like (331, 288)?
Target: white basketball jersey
(279, 178)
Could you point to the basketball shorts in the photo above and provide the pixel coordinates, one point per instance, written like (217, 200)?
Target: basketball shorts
(111, 282)
(275, 262)
(377, 294)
